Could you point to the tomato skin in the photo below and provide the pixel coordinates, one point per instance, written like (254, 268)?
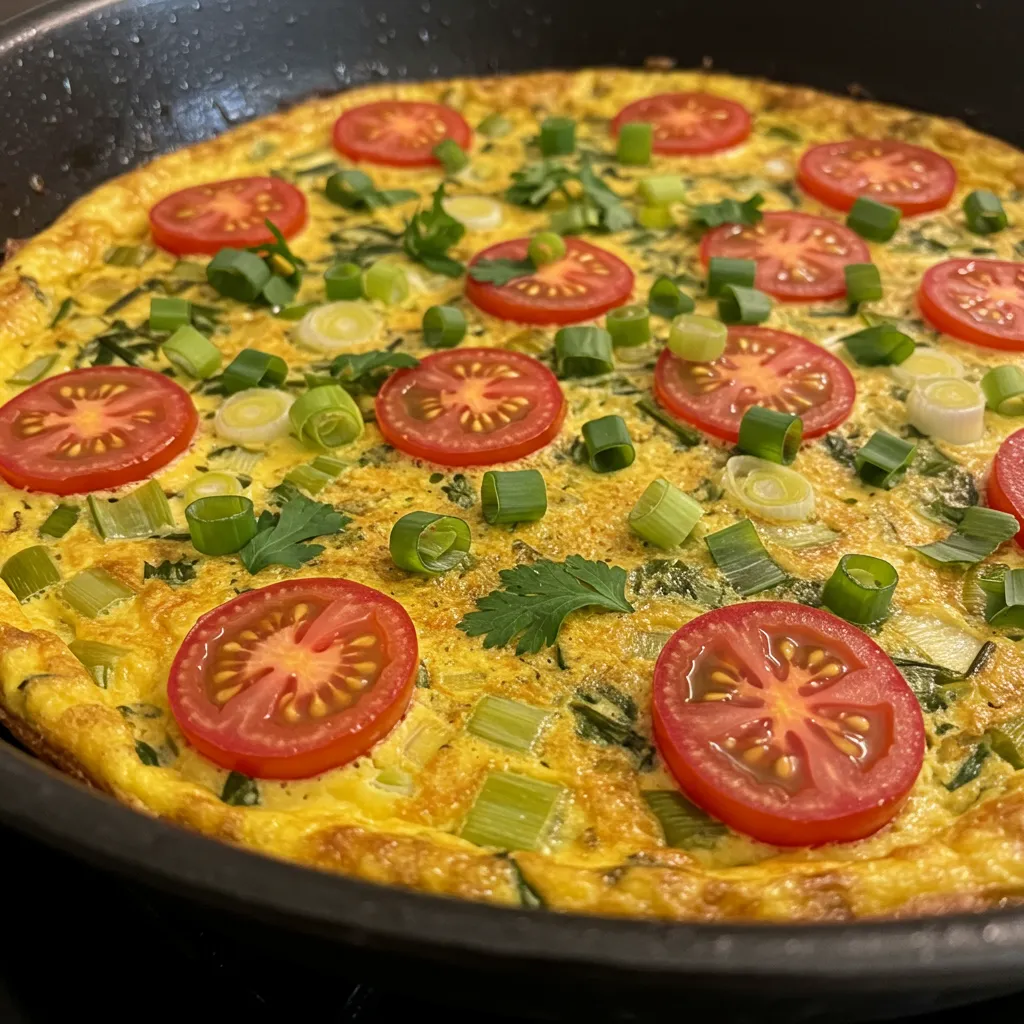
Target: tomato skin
(606, 289)
(929, 182)
(251, 737)
(724, 124)
(1006, 480)
(30, 462)
(441, 437)
(207, 232)
(840, 802)
(361, 134)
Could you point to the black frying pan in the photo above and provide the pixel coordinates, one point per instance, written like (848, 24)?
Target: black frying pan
(90, 89)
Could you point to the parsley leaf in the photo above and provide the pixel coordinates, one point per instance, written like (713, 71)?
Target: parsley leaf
(613, 216)
(430, 234)
(501, 271)
(536, 599)
(533, 186)
(728, 211)
(172, 573)
(364, 372)
(279, 540)
(460, 491)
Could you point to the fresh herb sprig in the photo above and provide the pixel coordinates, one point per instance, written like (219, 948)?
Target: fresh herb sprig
(728, 211)
(363, 373)
(429, 235)
(280, 536)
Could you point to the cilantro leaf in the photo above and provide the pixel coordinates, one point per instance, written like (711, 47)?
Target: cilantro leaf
(536, 599)
(172, 573)
(533, 186)
(501, 271)
(430, 234)
(728, 211)
(364, 372)
(279, 540)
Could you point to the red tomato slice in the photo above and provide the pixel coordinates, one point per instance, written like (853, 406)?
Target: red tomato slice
(398, 133)
(799, 256)
(980, 301)
(585, 283)
(911, 178)
(1006, 481)
(471, 407)
(94, 429)
(688, 122)
(294, 679)
(207, 218)
(787, 723)
(759, 367)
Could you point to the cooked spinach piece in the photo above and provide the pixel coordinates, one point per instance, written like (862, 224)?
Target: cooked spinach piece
(174, 574)
(970, 769)
(605, 715)
(685, 436)
(147, 755)
(840, 449)
(663, 577)
(240, 791)
(528, 896)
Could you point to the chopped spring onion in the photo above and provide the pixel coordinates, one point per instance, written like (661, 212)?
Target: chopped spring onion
(666, 300)
(949, 409)
(662, 190)
(698, 339)
(387, 283)
(316, 475)
(279, 293)
(478, 213)
(1004, 390)
(513, 496)
(253, 417)
(338, 326)
(881, 345)
(863, 282)
(1007, 740)
(207, 485)
(221, 524)
(861, 588)
(583, 352)
(684, 825)
(94, 591)
(980, 532)
(349, 188)
(254, 369)
(142, 513)
(926, 364)
(1007, 610)
(664, 516)
(326, 417)
(629, 326)
(238, 274)
(443, 327)
(770, 434)
(192, 353)
(738, 305)
(511, 812)
(557, 136)
(655, 218)
(769, 490)
(509, 723)
(738, 552)
(636, 142)
(34, 370)
(942, 643)
(99, 658)
(877, 222)
(452, 157)
(573, 219)
(546, 247)
(609, 446)
(723, 271)
(984, 212)
(883, 460)
(30, 571)
(343, 281)
(127, 255)
(428, 543)
(494, 126)
(167, 313)
(59, 521)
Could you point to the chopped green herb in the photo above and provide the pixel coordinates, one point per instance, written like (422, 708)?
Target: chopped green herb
(429, 235)
(363, 373)
(728, 211)
(970, 769)
(499, 272)
(174, 574)
(280, 537)
(240, 791)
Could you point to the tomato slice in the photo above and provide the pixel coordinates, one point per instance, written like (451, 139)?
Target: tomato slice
(586, 282)
(1006, 481)
(94, 429)
(979, 301)
(207, 218)
(759, 367)
(787, 723)
(799, 256)
(471, 407)
(912, 178)
(398, 133)
(688, 122)
(294, 679)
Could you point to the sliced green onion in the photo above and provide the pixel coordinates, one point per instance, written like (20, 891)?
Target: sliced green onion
(883, 460)
(984, 212)
(478, 213)
(238, 274)
(509, 723)
(34, 370)
(1007, 740)
(872, 220)
(221, 524)
(189, 270)
(253, 417)
(576, 217)
(697, 339)
(513, 496)
(636, 142)
(94, 591)
(30, 571)
(1004, 390)
(326, 417)
(310, 477)
(770, 434)
(863, 282)
(427, 543)
(386, 282)
(168, 313)
(980, 532)
(583, 352)
(609, 446)
(207, 485)
(738, 552)
(142, 513)
(723, 271)
(64, 309)
(685, 826)
(666, 300)
(511, 812)
(629, 326)
(127, 255)
(662, 190)
(344, 281)
(279, 293)
(60, 520)
(99, 658)
(655, 218)
(452, 157)
(926, 364)
(338, 326)
(495, 126)
(192, 353)
(882, 345)
(254, 369)
(1007, 611)
(349, 188)
(443, 327)
(861, 588)
(557, 136)
(769, 490)
(684, 434)
(739, 305)
(546, 247)
(949, 409)
(664, 516)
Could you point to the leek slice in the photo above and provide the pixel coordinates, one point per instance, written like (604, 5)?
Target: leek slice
(949, 409)
(208, 484)
(478, 213)
(254, 416)
(509, 723)
(94, 591)
(143, 513)
(98, 658)
(941, 643)
(684, 825)
(769, 490)
(511, 812)
(338, 326)
(30, 571)
(926, 364)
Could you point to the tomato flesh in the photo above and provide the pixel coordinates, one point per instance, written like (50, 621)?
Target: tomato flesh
(1006, 481)
(227, 214)
(94, 429)
(760, 366)
(398, 133)
(294, 679)
(585, 283)
(911, 178)
(688, 122)
(787, 723)
(471, 407)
